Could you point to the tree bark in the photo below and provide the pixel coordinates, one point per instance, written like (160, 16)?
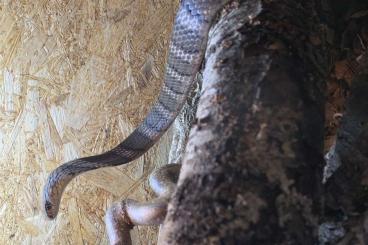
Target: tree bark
(346, 195)
(253, 163)
(347, 189)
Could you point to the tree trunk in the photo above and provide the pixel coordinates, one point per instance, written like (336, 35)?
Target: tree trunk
(347, 189)
(253, 164)
(346, 172)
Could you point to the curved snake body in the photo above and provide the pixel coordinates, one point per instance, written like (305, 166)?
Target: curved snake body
(188, 42)
(122, 216)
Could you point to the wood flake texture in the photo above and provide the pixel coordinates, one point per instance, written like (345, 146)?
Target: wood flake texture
(76, 77)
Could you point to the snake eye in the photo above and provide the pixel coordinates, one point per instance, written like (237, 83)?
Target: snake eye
(48, 205)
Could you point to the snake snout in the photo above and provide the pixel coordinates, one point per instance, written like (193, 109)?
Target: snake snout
(50, 210)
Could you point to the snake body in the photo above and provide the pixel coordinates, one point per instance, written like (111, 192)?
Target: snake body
(122, 216)
(188, 42)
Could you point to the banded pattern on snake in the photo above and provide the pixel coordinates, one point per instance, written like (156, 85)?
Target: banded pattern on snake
(186, 51)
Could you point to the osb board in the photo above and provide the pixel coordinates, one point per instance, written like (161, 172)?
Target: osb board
(76, 77)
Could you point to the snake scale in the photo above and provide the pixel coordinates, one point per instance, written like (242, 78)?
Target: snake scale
(186, 51)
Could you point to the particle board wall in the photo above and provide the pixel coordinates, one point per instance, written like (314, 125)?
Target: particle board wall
(76, 77)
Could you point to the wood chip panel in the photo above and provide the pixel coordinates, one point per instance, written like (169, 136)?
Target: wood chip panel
(76, 77)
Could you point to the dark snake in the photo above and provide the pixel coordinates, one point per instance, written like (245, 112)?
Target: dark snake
(188, 42)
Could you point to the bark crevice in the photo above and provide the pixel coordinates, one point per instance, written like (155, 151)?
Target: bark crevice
(253, 162)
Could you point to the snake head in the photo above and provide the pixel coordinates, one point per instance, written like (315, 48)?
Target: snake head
(50, 207)
(49, 210)
(52, 192)
(56, 182)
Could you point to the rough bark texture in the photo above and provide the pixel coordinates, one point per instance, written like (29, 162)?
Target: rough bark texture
(253, 162)
(347, 186)
(346, 176)
(347, 189)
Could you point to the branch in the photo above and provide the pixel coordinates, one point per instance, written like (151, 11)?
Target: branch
(253, 163)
